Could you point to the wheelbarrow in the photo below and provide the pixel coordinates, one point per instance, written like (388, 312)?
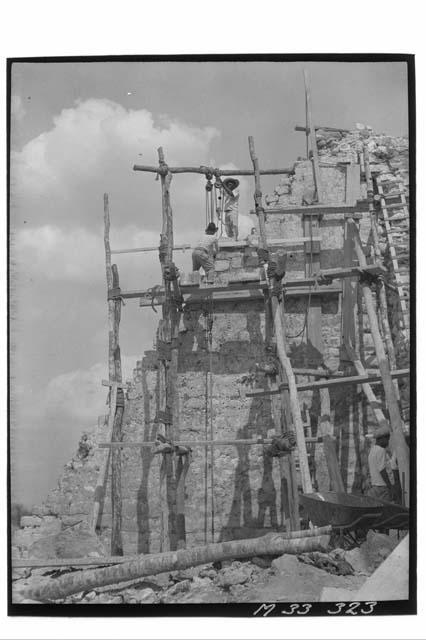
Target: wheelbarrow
(347, 512)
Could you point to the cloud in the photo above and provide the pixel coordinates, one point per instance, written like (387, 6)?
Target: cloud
(76, 255)
(17, 108)
(91, 148)
(79, 396)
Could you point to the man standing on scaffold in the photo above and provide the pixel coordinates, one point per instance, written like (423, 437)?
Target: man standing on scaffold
(231, 199)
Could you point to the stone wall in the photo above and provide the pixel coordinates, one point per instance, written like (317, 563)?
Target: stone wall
(247, 487)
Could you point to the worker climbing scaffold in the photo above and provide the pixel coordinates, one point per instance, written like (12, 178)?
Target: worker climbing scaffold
(205, 252)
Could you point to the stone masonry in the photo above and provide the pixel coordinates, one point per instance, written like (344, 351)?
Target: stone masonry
(247, 488)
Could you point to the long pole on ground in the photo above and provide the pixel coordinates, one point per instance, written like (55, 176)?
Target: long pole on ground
(148, 565)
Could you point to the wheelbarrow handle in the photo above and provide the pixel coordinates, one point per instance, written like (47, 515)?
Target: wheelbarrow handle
(359, 519)
(395, 516)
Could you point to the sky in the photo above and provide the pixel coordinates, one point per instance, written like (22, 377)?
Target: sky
(77, 130)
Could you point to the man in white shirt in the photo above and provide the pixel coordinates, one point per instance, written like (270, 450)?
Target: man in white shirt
(379, 464)
(231, 203)
(205, 252)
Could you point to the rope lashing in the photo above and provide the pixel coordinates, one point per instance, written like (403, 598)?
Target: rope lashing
(162, 249)
(263, 255)
(154, 293)
(368, 278)
(277, 266)
(170, 272)
(282, 445)
(164, 445)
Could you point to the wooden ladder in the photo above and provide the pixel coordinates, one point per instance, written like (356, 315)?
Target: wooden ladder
(389, 220)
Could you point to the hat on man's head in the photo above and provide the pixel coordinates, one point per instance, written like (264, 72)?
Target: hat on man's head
(381, 432)
(230, 183)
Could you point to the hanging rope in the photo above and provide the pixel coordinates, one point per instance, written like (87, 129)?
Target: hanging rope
(209, 200)
(210, 338)
(220, 208)
(209, 431)
(206, 435)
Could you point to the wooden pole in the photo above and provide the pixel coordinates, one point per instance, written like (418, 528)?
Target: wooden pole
(115, 374)
(375, 405)
(103, 469)
(381, 294)
(288, 463)
(171, 319)
(116, 497)
(334, 473)
(148, 565)
(162, 171)
(313, 139)
(197, 443)
(181, 473)
(280, 337)
(116, 407)
(396, 424)
(31, 563)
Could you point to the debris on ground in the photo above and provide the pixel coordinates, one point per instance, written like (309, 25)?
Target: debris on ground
(335, 565)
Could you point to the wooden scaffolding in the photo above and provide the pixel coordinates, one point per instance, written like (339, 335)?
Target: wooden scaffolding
(274, 288)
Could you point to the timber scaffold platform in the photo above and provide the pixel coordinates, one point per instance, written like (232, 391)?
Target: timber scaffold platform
(267, 281)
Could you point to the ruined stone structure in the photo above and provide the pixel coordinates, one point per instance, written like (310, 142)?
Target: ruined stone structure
(248, 497)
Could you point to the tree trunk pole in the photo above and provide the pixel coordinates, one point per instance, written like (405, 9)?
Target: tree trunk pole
(313, 139)
(115, 375)
(381, 294)
(116, 399)
(280, 337)
(169, 367)
(294, 400)
(148, 565)
(396, 424)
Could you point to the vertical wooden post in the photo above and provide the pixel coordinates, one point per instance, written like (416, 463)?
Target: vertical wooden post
(182, 468)
(336, 480)
(171, 319)
(117, 435)
(115, 375)
(313, 139)
(288, 462)
(280, 337)
(101, 481)
(396, 424)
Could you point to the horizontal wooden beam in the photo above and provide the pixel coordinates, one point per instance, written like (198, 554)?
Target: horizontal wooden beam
(119, 385)
(298, 283)
(255, 294)
(249, 442)
(222, 245)
(307, 130)
(179, 247)
(317, 373)
(322, 209)
(331, 382)
(210, 170)
(272, 242)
